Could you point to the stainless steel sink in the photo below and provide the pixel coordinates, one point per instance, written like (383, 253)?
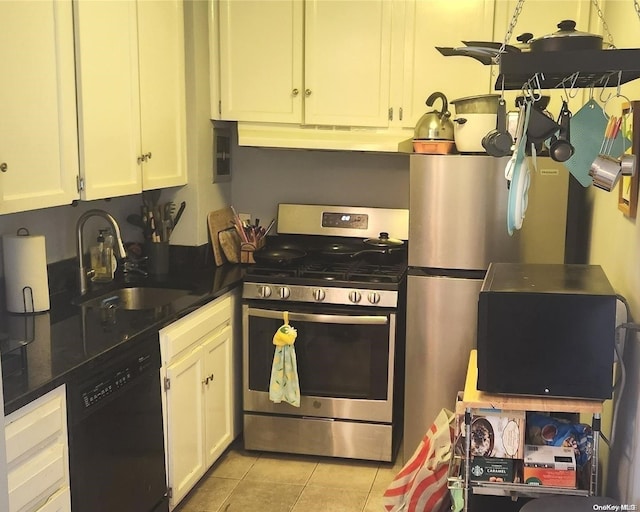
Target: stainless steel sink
(141, 297)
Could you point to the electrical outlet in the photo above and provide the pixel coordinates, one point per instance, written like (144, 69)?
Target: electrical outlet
(245, 216)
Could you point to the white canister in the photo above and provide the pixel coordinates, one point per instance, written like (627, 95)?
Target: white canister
(25, 272)
(470, 129)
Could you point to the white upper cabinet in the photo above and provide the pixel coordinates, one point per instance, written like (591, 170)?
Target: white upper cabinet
(131, 106)
(347, 62)
(318, 62)
(108, 98)
(446, 24)
(261, 49)
(38, 129)
(162, 92)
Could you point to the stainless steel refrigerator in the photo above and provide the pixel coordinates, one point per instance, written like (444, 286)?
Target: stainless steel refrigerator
(457, 226)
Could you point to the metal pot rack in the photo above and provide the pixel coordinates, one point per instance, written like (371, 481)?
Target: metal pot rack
(577, 69)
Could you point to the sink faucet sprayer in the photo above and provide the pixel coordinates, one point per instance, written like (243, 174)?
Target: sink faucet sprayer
(82, 270)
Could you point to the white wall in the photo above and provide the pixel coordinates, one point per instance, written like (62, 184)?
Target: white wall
(201, 194)
(615, 245)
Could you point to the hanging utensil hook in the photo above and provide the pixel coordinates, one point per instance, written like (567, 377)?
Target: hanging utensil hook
(537, 92)
(604, 100)
(573, 90)
(619, 83)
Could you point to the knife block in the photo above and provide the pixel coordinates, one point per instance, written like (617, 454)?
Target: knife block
(248, 248)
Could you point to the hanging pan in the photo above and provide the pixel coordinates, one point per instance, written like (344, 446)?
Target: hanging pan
(279, 256)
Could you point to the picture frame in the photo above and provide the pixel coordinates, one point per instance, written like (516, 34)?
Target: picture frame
(628, 186)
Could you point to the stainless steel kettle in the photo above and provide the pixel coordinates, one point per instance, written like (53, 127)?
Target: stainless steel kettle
(437, 124)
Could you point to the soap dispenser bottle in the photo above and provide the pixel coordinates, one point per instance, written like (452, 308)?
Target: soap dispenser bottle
(101, 258)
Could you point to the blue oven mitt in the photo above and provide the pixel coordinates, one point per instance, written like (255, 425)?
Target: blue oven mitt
(284, 385)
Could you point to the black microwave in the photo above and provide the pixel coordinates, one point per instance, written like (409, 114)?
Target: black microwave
(546, 330)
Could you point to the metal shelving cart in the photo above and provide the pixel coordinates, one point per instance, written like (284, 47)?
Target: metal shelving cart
(472, 399)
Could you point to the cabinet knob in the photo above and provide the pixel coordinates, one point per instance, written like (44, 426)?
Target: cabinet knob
(295, 92)
(140, 159)
(307, 92)
(147, 156)
(4, 167)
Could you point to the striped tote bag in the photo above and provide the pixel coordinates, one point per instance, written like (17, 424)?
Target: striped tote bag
(421, 485)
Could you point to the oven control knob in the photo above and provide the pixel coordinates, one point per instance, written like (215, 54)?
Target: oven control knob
(355, 296)
(374, 297)
(319, 294)
(264, 291)
(284, 292)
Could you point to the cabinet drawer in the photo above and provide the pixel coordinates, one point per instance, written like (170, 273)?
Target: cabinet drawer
(183, 333)
(37, 478)
(59, 502)
(42, 419)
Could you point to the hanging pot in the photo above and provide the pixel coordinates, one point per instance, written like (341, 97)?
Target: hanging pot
(437, 124)
(566, 39)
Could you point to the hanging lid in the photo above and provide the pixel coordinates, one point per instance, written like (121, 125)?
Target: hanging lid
(568, 29)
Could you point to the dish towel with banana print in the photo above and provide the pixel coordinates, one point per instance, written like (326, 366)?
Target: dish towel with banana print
(284, 385)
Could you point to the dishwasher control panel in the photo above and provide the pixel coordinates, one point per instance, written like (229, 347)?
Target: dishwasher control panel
(115, 380)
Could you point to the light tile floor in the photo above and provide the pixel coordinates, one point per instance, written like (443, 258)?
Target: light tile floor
(243, 481)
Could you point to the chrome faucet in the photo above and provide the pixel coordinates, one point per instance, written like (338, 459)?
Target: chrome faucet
(82, 270)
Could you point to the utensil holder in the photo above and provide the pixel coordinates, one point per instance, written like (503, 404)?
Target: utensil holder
(158, 257)
(248, 248)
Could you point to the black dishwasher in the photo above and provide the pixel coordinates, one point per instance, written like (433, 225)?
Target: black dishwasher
(116, 441)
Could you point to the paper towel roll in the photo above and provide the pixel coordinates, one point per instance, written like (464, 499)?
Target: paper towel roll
(25, 273)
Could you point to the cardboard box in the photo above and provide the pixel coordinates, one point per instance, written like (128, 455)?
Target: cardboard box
(550, 466)
(492, 469)
(497, 433)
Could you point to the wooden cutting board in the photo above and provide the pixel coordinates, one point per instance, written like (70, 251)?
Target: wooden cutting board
(219, 220)
(230, 243)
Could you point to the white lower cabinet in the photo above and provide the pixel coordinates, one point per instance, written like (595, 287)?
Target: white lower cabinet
(37, 455)
(198, 373)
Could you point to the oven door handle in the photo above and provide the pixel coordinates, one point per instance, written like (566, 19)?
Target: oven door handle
(325, 319)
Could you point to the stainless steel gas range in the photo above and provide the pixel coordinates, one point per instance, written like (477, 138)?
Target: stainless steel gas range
(347, 303)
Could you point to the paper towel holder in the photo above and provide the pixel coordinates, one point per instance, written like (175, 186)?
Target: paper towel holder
(26, 289)
(24, 299)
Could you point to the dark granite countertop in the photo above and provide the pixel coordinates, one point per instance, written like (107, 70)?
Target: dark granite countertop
(42, 351)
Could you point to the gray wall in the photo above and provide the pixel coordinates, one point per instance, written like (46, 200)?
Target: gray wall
(264, 177)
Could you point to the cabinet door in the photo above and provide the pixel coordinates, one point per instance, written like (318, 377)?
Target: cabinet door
(162, 92)
(38, 132)
(431, 24)
(261, 60)
(108, 98)
(38, 478)
(185, 424)
(347, 62)
(59, 502)
(218, 394)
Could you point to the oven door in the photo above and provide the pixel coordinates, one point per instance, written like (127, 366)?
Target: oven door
(345, 359)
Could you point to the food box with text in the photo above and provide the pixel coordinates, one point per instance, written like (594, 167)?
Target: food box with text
(550, 465)
(497, 433)
(492, 469)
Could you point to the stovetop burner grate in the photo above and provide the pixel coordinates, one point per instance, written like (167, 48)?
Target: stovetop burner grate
(355, 271)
